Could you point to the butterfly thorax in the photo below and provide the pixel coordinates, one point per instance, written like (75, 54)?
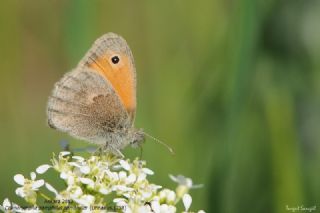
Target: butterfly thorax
(123, 137)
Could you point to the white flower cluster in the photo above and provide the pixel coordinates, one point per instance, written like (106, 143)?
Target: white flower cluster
(102, 183)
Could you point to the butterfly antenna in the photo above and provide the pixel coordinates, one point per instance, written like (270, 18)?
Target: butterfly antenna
(160, 142)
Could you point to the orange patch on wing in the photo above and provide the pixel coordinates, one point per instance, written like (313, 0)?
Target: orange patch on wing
(121, 78)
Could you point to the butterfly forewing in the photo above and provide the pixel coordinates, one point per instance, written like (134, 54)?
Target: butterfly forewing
(122, 75)
(85, 105)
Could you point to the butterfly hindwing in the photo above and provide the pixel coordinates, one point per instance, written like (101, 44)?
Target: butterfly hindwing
(85, 105)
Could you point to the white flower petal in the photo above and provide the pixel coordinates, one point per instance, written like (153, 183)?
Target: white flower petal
(188, 182)
(117, 200)
(155, 206)
(182, 180)
(147, 171)
(128, 195)
(155, 187)
(74, 164)
(63, 175)
(197, 186)
(131, 179)
(112, 175)
(144, 209)
(123, 204)
(79, 158)
(104, 191)
(171, 209)
(87, 181)
(16, 206)
(51, 189)
(163, 194)
(43, 168)
(171, 196)
(187, 200)
(37, 184)
(85, 169)
(201, 211)
(70, 180)
(164, 208)
(125, 165)
(81, 202)
(33, 175)
(146, 195)
(122, 174)
(85, 200)
(6, 203)
(64, 153)
(127, 209)
(141, 177)
(173, 178)
(121, 188)
(89, 198)
(76, 192)
(117, 167)
(20, 192)
(19, 179)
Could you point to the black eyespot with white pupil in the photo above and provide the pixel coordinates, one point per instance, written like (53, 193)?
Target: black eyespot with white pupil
(115, 59)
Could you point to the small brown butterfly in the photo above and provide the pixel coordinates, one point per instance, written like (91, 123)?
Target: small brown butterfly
(96, 101)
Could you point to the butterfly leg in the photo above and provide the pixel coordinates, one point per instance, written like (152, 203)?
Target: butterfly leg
(109, 148)
(116, 152)
(119, 153)
(98, 151)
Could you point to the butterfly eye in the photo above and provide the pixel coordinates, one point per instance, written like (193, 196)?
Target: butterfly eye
(115, 59)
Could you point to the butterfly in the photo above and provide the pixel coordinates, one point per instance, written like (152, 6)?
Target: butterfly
(96, 101)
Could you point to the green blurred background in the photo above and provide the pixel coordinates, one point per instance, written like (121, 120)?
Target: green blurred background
(232, 86)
